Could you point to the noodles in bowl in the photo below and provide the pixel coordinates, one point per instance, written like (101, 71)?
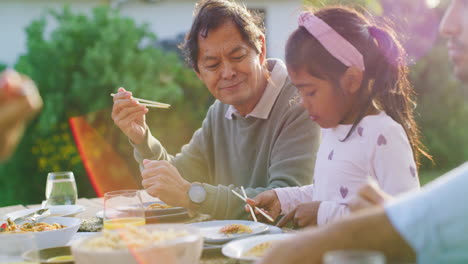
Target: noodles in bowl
(173, 244)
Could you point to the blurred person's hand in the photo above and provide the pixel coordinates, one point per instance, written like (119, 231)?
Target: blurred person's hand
(129, 116)
(19, 102)
(368, 196)
(303, 215)
(268, 201)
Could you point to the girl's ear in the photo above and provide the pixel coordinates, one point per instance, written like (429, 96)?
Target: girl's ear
(352, 79)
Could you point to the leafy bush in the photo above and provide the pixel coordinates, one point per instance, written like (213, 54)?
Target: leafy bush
(2, 66)
(76, 67)
(442, 110)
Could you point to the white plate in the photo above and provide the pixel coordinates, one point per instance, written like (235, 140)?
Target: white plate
(53, 238)
(55, 210)
(211, 234)
(237, 249)
(100, 214)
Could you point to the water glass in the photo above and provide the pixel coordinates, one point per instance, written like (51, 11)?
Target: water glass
(14, 246)
(61, 188)
(353, 257)
(122, 208)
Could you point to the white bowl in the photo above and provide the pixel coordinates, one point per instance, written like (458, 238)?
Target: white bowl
(53, 238)
(182, 250)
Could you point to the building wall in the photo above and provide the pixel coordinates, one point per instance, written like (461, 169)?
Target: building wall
(166, 18)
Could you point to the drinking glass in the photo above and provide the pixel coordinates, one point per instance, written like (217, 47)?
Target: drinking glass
(123, 208)
(61, 188)
(353, 257)
(14, 246)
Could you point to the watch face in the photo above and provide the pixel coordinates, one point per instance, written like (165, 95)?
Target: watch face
(197, 193)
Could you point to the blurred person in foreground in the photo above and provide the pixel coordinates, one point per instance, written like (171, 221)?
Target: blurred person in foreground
(19, 102)
(252, 136)
(429, 226)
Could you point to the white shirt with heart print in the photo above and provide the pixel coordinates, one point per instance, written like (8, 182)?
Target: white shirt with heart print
(378, 148)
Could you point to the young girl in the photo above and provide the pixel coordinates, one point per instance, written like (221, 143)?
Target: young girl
(352, 79)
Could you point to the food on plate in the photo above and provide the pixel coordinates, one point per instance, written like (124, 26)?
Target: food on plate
(60, 258)
(258, 250)
(235, 229)
(158, 206)
(131, 238)
(93, 224)
(11, 227)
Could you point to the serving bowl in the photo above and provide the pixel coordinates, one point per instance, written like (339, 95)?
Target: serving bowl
(52, 238)
(186, 248)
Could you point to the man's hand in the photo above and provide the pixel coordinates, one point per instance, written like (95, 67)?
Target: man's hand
(268, 201)
(303, 215)
(129, 116)
(368, 196)
(161, 179)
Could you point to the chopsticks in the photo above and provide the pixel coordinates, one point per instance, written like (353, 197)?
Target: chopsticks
(244, 198)
(149, 103)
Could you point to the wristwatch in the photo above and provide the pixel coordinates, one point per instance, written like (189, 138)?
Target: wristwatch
(197, 193)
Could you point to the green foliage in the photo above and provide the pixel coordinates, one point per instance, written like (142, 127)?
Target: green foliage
(2, 66)
(370, 5)
(76, 67)
(442, 109)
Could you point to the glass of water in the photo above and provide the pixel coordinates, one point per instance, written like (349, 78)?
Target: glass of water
(61, 188)
(353, 257)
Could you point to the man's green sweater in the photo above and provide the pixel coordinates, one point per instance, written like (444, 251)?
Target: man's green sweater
(276, 150)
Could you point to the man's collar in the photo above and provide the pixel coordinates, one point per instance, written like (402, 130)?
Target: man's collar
(272, 90)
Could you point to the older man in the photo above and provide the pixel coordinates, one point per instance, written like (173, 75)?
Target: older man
(430, 226)
(254, 135)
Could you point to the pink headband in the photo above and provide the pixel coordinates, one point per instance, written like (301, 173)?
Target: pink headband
(338, 46)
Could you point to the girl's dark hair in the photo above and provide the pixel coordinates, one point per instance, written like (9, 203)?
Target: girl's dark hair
(384, 59)
(210, 14)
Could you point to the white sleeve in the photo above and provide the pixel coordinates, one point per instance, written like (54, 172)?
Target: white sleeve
(291, 197)
(393, 162)
(434, 220)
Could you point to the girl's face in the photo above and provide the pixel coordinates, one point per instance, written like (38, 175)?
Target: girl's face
(326, 104)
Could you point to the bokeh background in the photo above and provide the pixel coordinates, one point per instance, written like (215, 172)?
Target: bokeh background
(78, 52)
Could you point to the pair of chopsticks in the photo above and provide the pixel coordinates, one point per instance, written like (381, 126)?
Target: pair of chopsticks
(149, 103)
(244, 198)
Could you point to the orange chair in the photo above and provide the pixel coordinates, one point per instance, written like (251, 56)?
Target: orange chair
(106, 169)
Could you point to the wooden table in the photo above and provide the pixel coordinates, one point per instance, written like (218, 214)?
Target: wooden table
(93, 205)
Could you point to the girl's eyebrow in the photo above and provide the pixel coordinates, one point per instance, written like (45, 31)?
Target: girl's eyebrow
(301, 86)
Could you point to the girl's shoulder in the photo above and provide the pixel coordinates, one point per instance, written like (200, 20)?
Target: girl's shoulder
(376, 125)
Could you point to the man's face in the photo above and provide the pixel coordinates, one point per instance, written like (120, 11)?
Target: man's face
(230, 68)
(454, 26)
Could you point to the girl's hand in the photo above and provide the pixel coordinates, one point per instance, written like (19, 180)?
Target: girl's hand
(269, 202)
(303, 215)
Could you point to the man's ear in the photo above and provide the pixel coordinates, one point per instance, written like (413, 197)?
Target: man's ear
(352, 79)
(262, 50)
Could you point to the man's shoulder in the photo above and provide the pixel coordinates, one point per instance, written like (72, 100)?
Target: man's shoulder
(288, 101)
